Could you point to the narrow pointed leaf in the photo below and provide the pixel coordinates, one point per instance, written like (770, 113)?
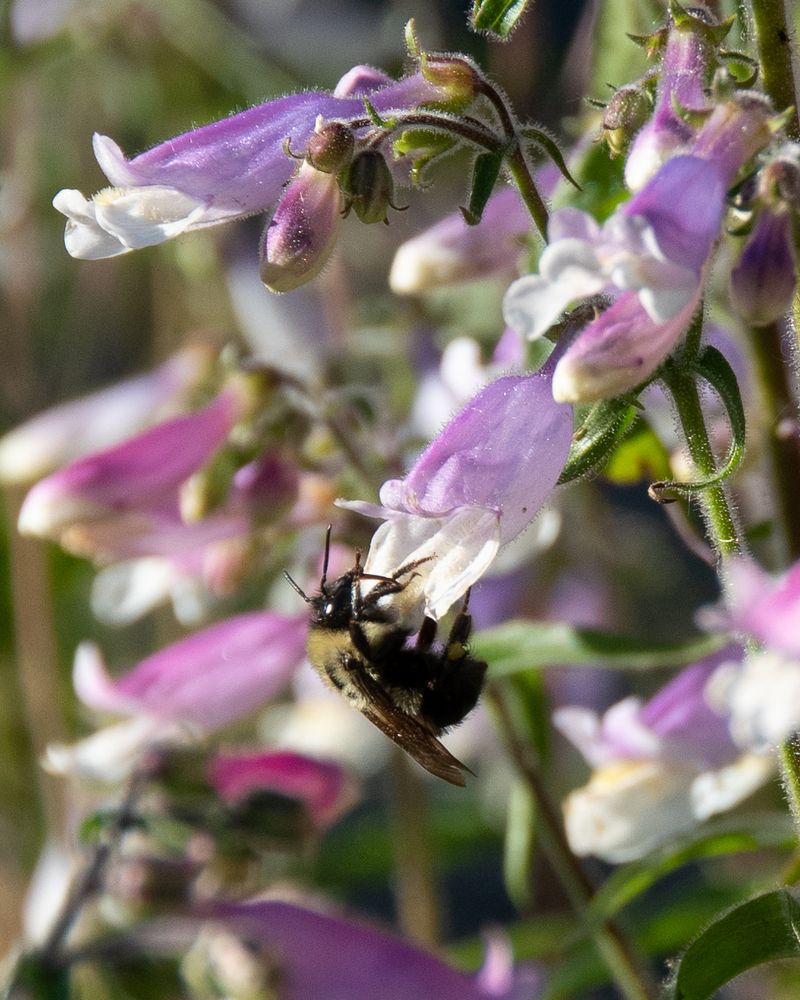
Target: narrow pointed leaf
(720, 837)
(521, 646)
(485, 172)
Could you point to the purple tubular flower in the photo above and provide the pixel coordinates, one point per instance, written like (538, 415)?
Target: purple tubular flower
(760, 696)
(139, 473)
(659, 768)
(69, 430)
(451, 251)
(300, 238)
(763, 281)
(652, 254)
(222, 171)
(208, 680)
(319, 955)
(684, 73)
(475, 487)
(325, 789)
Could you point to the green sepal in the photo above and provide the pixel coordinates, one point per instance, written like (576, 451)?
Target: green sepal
(695, 117)
(498, 17)
(424, 147)
(598, 433)
(377, 120)
(485, 172)
(652, 44)
(683, 19)
(540, 138)
(742, 68)
(761, 930)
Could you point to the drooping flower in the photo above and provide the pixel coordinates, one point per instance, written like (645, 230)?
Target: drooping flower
(222, 171)
(451, 251)
(206, 680)
(658, 768)
(133, 476)
(69, 430)
(761, 695)
(476, 487)
(651, 256)
(316, 954)
(686, 69)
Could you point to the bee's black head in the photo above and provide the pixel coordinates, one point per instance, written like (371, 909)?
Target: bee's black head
(333, 606)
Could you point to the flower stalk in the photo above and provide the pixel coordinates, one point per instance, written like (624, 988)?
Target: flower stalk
(776, 58)
(613, 947)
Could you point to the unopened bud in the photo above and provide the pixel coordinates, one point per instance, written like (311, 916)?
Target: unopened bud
(763, 281)
(455, 75)
(330, 147)
(368, 186)
(625, 114)
(300, 238)
(780, 181)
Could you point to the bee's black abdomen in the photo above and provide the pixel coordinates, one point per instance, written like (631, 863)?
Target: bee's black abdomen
(453, 690)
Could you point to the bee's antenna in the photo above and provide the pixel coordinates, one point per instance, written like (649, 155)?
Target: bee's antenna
(325, 558)
(305, 597)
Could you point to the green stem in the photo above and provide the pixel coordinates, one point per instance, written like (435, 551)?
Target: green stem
(415, 889)
(774, 33)
(611, 944)
(720, 522)
(779, 410)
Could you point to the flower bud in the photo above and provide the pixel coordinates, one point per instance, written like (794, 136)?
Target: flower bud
(330, 147)
(763, 281)
(368, 186)
(302, 234)
(455, 75)
(625, 114)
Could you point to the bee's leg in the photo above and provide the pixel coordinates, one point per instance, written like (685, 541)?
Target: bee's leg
(359, 640)
(426, 635)
(460, 632)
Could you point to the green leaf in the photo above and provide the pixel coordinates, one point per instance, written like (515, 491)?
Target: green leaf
(485, 172)
(544, 141)
(521, 646)
(726, 835)
(762, 930)
(499, 17)
(519, 845)
(599, 430)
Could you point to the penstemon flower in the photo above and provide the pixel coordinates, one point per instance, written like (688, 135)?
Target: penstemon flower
(658, 768)
(761, 695)
(651, 255)
(223, 171)
(321, 954)
(478, 484)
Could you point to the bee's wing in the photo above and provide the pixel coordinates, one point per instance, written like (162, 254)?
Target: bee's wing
(406, 731)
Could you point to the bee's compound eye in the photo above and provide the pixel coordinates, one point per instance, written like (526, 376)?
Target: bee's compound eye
(328, 609)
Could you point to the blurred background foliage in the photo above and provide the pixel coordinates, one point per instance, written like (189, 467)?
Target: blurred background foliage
(140, 72)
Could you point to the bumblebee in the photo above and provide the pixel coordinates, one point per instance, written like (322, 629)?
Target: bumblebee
(358, 644)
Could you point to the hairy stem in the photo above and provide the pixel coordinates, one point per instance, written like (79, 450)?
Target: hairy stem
(774, 35)
(779, 409)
